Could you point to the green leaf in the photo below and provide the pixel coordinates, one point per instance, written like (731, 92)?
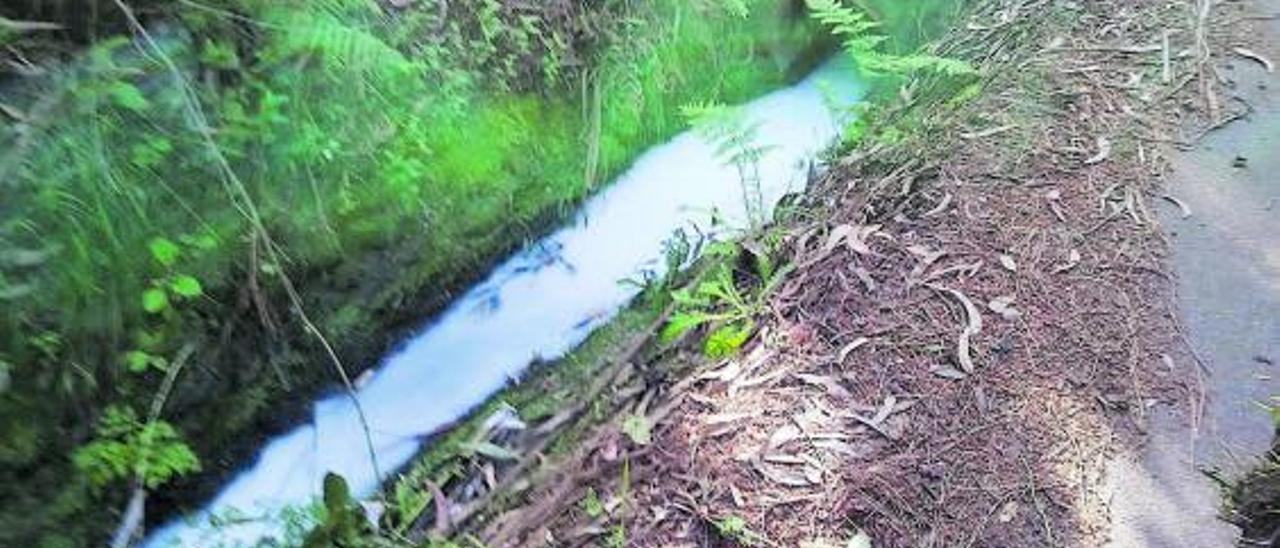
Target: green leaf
(5, 377)
(206, 241)
(137, 361)
(337, 495)
(128, 96)
(164, 251)
(148, 340)
(186, 286)
(154, 300)
(681, 323)
(220, 55)
(591, 504)
(686, 298)
(731, 525)
(726, 341)
(638, 429)
(150, 153)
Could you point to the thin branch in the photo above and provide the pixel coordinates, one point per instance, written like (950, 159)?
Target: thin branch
(27, 26)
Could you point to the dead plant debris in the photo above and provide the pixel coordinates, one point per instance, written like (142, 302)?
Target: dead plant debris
(902, 418)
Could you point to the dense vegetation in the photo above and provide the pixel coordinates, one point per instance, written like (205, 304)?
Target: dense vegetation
(165, 194)
(195, 214)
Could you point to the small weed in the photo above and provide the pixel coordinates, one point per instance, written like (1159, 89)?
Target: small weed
(638, 429)
(592, 506)
(734, 529)
(722, 301)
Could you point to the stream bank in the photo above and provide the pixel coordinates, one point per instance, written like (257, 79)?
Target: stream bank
(994, 324)
(539, 304)
(417, 169)
(785, 140)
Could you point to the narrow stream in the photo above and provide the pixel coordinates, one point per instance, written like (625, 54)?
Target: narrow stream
(539, 304)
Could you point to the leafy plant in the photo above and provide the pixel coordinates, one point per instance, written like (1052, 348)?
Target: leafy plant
(861, 40)
(638, 429)
(735, 529)
(720, 300)
(734, 137)
(153, 452)
(343, 523)
(182, 286)
(592, 505)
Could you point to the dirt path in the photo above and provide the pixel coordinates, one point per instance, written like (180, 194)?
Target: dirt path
(1227, 258)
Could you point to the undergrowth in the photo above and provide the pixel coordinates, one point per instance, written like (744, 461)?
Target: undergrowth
(728, 297)
(887, 55)
(437, 135)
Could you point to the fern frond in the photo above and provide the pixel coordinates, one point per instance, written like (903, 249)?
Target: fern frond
(862, 41)
(339, 43)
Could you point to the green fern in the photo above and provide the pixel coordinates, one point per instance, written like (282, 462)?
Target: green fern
(734, 137)
(861, 39)
(336, 41)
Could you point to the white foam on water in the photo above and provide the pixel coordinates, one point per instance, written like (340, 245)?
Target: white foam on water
(539, 304)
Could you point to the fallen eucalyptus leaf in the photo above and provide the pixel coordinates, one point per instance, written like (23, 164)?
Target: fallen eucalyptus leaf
(857, 241)
(1104, 152)
(1008, 512)
(831, 385)
(1073, 259)
(783, 435)
(837, 237)
(941, 207)
(784, 459)
(812, 474)
(1246, 52)
(972, 327)
(1004, 307)
(948, 372)
(849, 348)
(727, 373)
(1186, 210)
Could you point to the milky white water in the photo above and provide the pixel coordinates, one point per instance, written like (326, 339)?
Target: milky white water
(540, 304)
